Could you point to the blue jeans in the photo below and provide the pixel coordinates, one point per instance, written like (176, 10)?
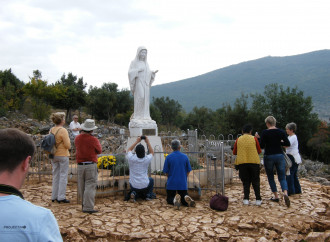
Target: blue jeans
(144, 192)
(278, 161)
(292, 180)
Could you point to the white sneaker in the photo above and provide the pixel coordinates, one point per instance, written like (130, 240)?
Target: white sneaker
(258, 202)
(190, 201)
(246, 202)
(177, 201)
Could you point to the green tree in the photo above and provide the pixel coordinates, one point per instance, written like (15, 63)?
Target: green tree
(155, 113)
(11, 94)
(70, 93)
(200, 119)
(286, 105)
(238, 116)
(168, 108)
(319, 144)
(102, 101)
(38, 91)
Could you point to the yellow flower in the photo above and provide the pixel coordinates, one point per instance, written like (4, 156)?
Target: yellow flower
(106, 161)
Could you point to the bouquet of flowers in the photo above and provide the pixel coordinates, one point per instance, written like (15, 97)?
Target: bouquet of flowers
(106, 162)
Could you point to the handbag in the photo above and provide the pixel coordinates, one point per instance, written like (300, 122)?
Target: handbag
(219, 202)
(288, 164)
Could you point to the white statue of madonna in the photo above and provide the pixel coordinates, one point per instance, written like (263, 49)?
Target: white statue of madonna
(140, 79)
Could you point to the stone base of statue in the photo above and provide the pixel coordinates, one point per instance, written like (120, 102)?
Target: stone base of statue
(138, 127)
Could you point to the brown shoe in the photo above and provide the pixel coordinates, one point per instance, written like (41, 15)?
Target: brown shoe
(287, 200)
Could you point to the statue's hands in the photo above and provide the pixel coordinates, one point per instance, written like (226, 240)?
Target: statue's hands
(155, 71)
(141, 69)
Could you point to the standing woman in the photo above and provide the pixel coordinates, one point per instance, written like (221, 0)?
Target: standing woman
(293, 153)
(272, 140)
(60, 162)
(247, 149)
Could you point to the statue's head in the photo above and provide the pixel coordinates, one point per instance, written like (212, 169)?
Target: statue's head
(143, 54)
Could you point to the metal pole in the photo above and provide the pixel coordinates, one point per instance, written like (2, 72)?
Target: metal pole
(222, 169)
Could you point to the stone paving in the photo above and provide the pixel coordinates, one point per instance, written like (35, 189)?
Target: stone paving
(307, 219)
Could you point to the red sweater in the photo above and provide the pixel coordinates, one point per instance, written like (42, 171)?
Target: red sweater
(87, 148)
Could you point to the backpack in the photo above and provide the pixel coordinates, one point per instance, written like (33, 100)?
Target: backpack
(219, 202)
(48, 144)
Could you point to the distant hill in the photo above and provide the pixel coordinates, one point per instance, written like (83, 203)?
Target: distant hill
(310, 72)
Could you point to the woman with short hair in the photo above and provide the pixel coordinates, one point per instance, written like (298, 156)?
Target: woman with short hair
(60, 162)
(247, 149)
(272, 140)
(293, 152)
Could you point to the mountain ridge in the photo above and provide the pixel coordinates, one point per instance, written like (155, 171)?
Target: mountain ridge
(310, 72)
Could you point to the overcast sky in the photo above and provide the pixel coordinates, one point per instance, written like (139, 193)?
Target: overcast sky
(97, 39)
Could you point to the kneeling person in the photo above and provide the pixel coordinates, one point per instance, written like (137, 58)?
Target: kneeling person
(141, 185)
(177, 168)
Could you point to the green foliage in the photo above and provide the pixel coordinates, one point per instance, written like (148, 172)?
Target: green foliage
(155, 114)
(121, 168)
(194, 163)
(200, 119)
(11, 95)
(169, 110)
(286, 105)
(319, 144)
(39, 92)
(109, 103)
(68, 93)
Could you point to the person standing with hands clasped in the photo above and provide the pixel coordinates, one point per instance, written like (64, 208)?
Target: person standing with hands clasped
(293, 152)
(21, 220)
(272, 139)
(177, 168)
(87, 147)
(141, 185)
(75, 126)
(247, 149)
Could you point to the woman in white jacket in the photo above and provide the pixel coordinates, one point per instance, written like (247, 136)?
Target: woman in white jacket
(293, 153)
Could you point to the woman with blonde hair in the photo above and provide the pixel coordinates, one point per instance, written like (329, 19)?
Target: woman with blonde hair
(272, 139)
(60, 162)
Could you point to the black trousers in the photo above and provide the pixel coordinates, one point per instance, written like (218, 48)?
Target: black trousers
(250, 174)
(171, 194)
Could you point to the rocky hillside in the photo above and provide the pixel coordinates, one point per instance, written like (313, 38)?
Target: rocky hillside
(112, 142)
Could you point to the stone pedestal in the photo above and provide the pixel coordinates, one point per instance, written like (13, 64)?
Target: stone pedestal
(148, 128)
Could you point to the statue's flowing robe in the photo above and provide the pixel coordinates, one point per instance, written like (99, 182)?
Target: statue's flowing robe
(140, 84)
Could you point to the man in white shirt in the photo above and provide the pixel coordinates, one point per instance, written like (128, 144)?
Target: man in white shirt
(21, 220)
(141, 185)
(75, 126)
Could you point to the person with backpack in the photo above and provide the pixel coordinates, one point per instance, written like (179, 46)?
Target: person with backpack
(60, 162)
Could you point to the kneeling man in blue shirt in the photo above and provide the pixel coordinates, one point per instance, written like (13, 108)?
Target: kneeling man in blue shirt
(20, 220)
(177, 168)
